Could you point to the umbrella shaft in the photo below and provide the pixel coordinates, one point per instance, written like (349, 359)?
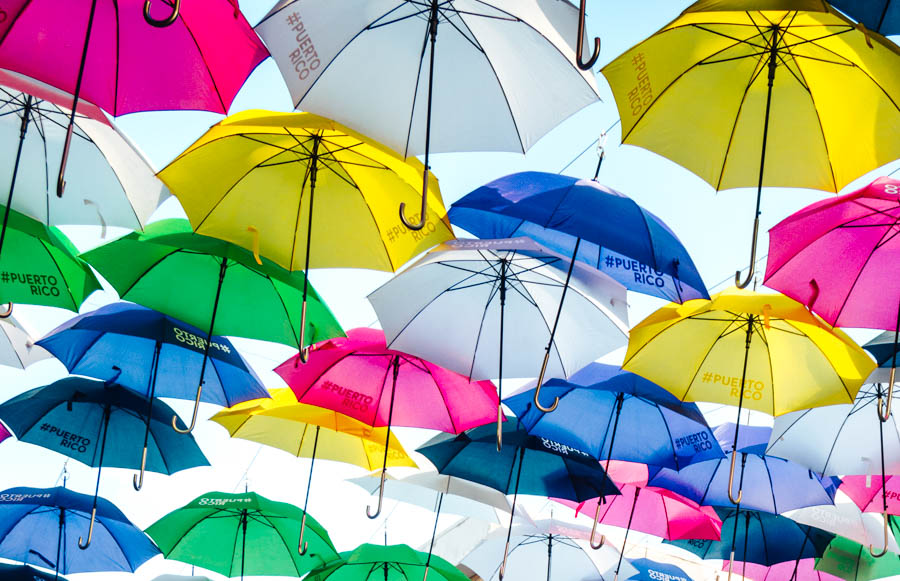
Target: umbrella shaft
(59, 538)
(549, 554)
(437, 516)
(26, 114)
(637, 492)
(311, 465)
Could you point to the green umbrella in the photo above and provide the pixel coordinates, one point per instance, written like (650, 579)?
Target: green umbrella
(851, 561)
(242, 534)
(40, 266)
(212, 284)
(391, 563)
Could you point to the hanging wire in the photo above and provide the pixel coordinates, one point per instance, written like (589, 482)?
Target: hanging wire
(730, 278)
(63, 474)
(243, 477)
(592, 144)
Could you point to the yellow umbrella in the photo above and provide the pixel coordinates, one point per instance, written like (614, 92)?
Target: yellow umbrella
(309, 431)
(252, 179)
(743, 93)
(765, 351)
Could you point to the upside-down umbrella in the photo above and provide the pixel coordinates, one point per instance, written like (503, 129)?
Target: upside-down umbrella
(49, 523)
(100, 424)
(553, 469)
(879, 15)
(360, 377)
(571, 217)
(17, 348)
(799, 570)
(216, 278)
(108, 54)
(763, 93)
(743, 347)
(153, 355)
(467, 288)
(241, 534)
(283, 423)
(392, 562)
(498, 76)
(852, 562)
(44, 269)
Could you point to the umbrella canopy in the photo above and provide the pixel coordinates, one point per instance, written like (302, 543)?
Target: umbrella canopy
(880, 15)
(393, 562)
(852, 562)
(846, 519)
(17, 348)
(865, 492)
(142, 267)
(759, 537)
(799, 570)
(4, 433)
(636, 248)
(613, 414)
(41, 267)
(48, 523)
(241, 534)
(886, 352)
(652, 571)
(9, 572)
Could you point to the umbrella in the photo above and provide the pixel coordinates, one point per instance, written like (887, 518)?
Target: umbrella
(561, 213)
(283, 423)
(4, 433)
(864, 490)
(553, 469)
(241, 534)
(465, 289)
(216, 278)
(846, 519)
(45, 523)
(10, 572)
(743, 347)
(852, 562)
(652, 571)
(153, 355)
(799, 570)
(396, 561)
(761, 94)
(77, 417)
(17, 348)
(198, 63)
(879, 15)
(44, 269)
(360, 377)
(769, 484)
(499, 74)
(562, 546)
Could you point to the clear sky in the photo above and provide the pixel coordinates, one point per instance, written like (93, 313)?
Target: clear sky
(715, 227)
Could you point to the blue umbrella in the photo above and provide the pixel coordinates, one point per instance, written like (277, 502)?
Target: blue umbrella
(48, 523)
(772, 484)
(154, 355)
(652, 571)
(589, 222)
(10, 572)
(879, 15)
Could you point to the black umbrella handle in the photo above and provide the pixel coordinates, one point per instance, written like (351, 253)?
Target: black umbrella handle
(579, 54)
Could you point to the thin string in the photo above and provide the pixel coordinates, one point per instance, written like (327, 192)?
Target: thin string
(586, 149)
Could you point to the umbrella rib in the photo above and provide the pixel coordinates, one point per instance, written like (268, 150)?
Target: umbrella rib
(444, 399)
(859, 274)
(412, 109)
(471, 40)
(493, 293)
(200, 53)
(422, 9)
(833, 442)
(671, 439)
(43, 245)
(722, 334)
(771, 483)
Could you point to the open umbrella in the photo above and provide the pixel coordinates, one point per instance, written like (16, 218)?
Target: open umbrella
(799, 570)
(78, 417)
(653, 571)
(742, 347)
(17, 348)
(762, 93)
(846, 519)
(853, 562)
(393, 562)
(360, 377)
(153, 355)
(48, 523)
(241, 534)
(10, 572)
(498, 75)
(880, 15)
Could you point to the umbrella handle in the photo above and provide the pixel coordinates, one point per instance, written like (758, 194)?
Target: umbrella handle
(421, 223)
(304, 351)
(193, 418)
(537, 391)
(301, 546)
(8, 312)
(380, 495)
(166, 21)
(81, 544)
(731, 482)
(886, 415)
(503, 564)
(499, 428)
(138, 479)
(884, 550)
(596, 546)
(750, 273)
(579, 56)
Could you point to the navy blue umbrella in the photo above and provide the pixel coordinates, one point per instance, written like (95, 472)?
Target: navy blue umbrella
(11, 572)
(45, 525)
(880, 15)
(154, 355)
(652, 571)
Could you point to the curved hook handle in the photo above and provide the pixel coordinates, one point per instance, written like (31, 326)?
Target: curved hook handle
(8, 313)
(884, 550)
(193, 418)
(596, 546)
(301, 546)
(82, 545)
(579, 55)
(165, 22)
(421, 223)
(380, 495)
(138, 479)
(886, 414)
(731, 482)
(737, 275)
(537, 402)
(499, 428)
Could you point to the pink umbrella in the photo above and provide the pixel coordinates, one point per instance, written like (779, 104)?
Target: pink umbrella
(107, 52)
(360, 377)
(4, 433)
(800, 570)
(866, 493)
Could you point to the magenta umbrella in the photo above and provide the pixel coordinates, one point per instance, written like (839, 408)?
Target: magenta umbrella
(866, 493)
(799, 570)
(4, 433)
(108, 53)
(360, 377)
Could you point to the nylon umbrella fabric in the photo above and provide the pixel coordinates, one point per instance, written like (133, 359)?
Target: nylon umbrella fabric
(865, 492)
(879, 15)
(636, 248)
(17, 348)
(4, 433)
(883, 350)
(800, 570)
(34, 522)
(143, 267)
(41, 266)
(9, 572)
(846, 519)
(391, 562)
(651, 571)
(241, 534)
(614, 414)
(852, 562)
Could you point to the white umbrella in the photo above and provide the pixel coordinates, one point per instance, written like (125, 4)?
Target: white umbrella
(484, 308)
(432, 75)
(846, 519)
(17, 348)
